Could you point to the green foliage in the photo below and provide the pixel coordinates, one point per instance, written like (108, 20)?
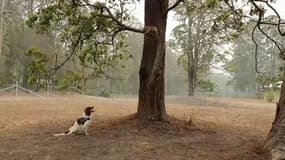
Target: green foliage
(241, 66)
(88, 31)
(71, 79)
(104, 93)
(31, 20)
(21, 61)
(37, 67)
(269, 96)
(203, 26)
(206, 85)
(267, 80)
(211, 3)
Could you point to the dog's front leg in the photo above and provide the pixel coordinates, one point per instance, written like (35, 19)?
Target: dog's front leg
(86, 132)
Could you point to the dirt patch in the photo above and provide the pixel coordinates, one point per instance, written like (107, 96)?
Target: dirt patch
(221, 129)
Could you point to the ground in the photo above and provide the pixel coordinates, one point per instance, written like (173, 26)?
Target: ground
(199, 129)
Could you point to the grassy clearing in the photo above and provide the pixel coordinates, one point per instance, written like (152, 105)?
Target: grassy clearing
(221, 129)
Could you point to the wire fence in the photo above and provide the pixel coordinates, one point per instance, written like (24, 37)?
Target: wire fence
(17, 88)
(48, 89)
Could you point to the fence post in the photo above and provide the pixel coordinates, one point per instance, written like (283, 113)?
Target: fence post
(17, 88)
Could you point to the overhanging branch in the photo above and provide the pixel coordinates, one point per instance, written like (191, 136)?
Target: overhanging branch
(276, 13)
(256, 48)
(123, 26)
(261, 21)
(173, 6)
(110, 15)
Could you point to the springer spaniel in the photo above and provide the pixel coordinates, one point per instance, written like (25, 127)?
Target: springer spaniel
(80, 126)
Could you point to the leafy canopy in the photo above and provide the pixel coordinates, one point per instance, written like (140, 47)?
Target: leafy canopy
(89, 32)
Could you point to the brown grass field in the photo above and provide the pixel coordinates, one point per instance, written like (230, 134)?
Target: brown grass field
(221, 129)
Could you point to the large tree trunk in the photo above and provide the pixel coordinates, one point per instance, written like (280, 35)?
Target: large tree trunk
(151, 91)
(275, 142)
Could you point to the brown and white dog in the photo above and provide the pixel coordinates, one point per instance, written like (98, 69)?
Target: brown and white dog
(81, 125)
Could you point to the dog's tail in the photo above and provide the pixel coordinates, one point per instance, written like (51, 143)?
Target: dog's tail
(62, 134)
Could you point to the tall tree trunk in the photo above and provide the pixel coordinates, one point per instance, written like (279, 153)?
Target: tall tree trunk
(191, 78)
(26, 75)
(275, 142)
(190, 58)
(151, 92)
(1, 27)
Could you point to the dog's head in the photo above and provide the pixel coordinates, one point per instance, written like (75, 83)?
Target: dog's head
(88, 110)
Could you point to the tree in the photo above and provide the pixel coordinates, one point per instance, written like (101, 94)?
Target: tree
(202, 29)
(151, 91)
(92, 30)
(241, 66)
(19, 39)
(1, 26)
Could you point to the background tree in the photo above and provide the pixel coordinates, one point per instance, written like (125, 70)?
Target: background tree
(241, 66)
(203, 27)
(2, 7)
(242, 63)
(18, 39)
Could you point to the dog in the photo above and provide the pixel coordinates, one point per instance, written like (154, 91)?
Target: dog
(81, 125)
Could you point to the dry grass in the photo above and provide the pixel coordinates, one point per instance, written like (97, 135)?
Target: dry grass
(221, 129)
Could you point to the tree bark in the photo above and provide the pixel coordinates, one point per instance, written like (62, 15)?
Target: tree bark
(26, 75)
(151, 92)
(191, 78)
(1, 27)
(275, 142)
(190, 58)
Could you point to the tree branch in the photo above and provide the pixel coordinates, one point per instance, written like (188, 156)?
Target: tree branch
(110, 15)
(276, 13)
(256, 49)
(260, 21)
(73, 51)
(124, 26)
(172, 7)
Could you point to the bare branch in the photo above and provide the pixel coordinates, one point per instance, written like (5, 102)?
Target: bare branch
(260, 21)
(276, 13)
(73, 51)
(256, 48)
(278, 44)
(173, 6)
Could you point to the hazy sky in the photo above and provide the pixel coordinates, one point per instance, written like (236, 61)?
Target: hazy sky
(139, 13)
